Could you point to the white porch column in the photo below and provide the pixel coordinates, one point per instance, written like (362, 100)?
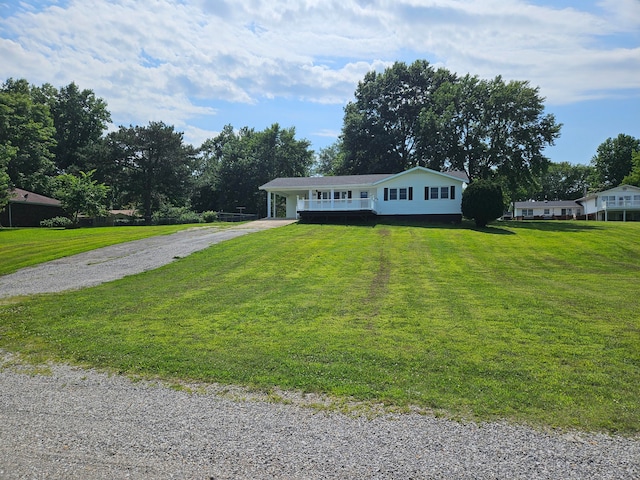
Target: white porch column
(310, 199)
(268, 204)
(332, 199)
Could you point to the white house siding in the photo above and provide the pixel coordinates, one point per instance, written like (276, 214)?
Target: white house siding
(547, 210)
(417, 180)
(619, 203)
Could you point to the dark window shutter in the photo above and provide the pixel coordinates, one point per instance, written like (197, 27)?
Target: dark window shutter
(349, 194)
(426, 193)
(386, 194)
(410, 193)
(453, 192)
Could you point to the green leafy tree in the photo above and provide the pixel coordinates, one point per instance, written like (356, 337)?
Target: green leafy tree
(328, 160)
(27, 135)
(80, 119)
(482, 201)
(6, 153)
(152, 165)
(612, 161)
(416, 115)
(634, 176)
(81, 194)
(382, 131)
(563, 181)
(235, 164)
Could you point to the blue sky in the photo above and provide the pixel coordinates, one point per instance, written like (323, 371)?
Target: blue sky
(202, 64)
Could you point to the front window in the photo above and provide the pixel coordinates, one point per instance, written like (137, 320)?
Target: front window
(444, 192)
(364, 194)
(403, 194)
(434, 192)
(393, 194)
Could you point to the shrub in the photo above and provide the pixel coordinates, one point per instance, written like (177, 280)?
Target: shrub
(209, 216)
(482, 201)
(56, 222)
(170, 215)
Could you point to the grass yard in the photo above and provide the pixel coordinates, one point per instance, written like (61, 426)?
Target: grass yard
(23, 247)
(532, 322)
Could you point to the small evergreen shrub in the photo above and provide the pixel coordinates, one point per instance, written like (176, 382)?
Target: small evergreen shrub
(482, 201)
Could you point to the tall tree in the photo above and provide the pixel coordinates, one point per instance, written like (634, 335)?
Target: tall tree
(563, 181)
(381, 131)
(80, 119)
(634, 176)
(239, 162)
(27, 135)
(613, 160)
(6, 153)
(154, 164)
(328, 160)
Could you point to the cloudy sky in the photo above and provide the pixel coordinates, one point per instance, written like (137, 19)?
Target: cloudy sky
(202, 64)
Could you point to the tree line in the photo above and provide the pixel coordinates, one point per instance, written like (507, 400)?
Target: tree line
(54, 141)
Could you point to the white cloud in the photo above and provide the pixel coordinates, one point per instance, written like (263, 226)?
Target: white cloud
(166, 59)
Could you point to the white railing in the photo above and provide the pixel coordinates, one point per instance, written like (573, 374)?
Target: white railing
(620, 203)
(336, 205)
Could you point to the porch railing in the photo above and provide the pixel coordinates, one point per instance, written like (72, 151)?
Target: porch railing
(336, 205)
(621, 204)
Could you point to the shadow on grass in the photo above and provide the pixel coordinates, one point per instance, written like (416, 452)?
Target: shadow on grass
(495, 228)
(407, 222)
(554, 225)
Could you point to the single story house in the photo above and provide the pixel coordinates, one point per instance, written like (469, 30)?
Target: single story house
(28, 209)
(556, 209)
(418, 192)
(621, 203)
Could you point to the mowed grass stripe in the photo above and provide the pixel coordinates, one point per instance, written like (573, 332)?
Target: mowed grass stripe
(24, 247)
(533, 322)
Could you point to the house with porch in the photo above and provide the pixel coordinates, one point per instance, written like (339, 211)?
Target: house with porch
(418, 192)
(621, 203)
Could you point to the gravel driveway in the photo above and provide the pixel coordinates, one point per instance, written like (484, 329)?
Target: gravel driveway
(116, 261)
(64, 422)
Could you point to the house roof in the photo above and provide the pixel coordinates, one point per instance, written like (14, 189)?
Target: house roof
(18, 195)
(331, 181)
(547, 204)
(305, 183)
(614, 189)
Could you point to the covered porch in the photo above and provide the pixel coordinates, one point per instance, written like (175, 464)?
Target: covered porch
(322, 201)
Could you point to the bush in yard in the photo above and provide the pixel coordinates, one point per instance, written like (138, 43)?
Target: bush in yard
(56, 222)
(209, 216)
(482, 201)
(171, 215)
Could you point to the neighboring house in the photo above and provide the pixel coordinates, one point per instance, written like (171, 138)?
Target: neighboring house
(419, 191)
(557, 209)
(621, 203)
(28, 209)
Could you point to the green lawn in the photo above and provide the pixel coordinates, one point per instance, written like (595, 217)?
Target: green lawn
(23, 247)
(532, 322)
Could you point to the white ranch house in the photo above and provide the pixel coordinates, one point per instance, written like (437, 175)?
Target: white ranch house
(621, 203)
(415, 192)
(557, 209)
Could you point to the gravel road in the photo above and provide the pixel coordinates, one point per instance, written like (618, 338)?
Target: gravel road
(80, 424)
(62, 422)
